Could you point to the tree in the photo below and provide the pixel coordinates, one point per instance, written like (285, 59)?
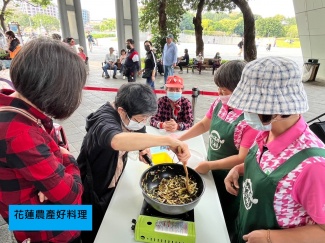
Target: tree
(186, 23)
(108, 24)
(268, 27)
(250, 52)
(49, 23)
(170, 14)
(3, 13)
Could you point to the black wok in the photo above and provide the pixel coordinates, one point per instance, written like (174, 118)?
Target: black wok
(166, 171)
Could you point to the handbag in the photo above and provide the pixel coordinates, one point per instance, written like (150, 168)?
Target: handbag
(319, 129)
(147, 73)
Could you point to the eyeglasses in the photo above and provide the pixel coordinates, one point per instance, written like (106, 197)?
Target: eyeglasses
(144, 120)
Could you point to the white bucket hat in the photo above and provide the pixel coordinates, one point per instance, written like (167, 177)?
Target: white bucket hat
(269, 86)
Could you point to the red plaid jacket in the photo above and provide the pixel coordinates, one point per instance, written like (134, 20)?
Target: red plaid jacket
(30, 162)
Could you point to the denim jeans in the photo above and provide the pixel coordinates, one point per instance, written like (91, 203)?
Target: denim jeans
(168, 71)
(107, 66)
(151, 83)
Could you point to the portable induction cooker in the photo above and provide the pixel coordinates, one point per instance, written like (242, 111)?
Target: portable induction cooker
(154, 226)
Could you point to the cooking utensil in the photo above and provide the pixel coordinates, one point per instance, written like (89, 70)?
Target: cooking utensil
(151, 178)
(186, 174)
(147, 159)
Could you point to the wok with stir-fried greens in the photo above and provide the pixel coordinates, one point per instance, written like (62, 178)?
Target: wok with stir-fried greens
(163, 187)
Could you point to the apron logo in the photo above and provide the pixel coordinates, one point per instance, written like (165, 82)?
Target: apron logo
(215, 141)
(248, 194)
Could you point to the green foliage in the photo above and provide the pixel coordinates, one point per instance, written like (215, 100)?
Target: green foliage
(187, 22)
(292, 31)
(102, 35)
(48, 22)
(272, 26)
(285, 42)
(159, 28)
(107, 24)
(22, 19)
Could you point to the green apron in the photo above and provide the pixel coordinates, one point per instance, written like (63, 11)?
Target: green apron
(221, 145)
(256, 205)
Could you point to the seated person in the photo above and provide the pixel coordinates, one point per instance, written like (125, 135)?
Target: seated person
(216, 62)
(200, 60)
(122, 61)
(183, 60)
(160, 67)
(174, 110)
(110, 63)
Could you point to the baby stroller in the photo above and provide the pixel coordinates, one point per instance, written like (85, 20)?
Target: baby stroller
(318, 127)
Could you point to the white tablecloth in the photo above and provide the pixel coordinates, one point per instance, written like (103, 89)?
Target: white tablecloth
(127, 201)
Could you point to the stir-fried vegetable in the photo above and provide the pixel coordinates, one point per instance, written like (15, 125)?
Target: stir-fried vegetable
(173, 191)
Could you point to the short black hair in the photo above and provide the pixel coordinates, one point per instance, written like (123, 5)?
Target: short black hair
(148, 42)
(228, 74)
(136, 99)
(186, 50)
(56, 36)
(50, 75)
(122, 51)
(11, 34)
(130, 40)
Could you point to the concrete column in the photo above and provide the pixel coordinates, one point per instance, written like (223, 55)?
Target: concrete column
(71, 21)
(127, 23)
(310, 17)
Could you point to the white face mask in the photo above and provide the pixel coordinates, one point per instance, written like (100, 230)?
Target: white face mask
(254, 121)
(133, 125)
(224, 99)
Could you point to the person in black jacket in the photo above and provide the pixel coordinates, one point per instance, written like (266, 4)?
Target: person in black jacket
(112, 130)
(150, 65)
(131, 65)
(183, 61)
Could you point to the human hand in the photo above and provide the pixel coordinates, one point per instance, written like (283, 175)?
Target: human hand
(143, 152)
(203, 167)
(64, 150)
(170, 126)
(181, 150)
(256, 236)
(231, 181)
(41, 197)
(153, 78)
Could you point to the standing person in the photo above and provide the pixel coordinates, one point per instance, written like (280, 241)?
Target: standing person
(113, 130)
(33, 166)
(90, 40)
(230, 138)
(282, 198)
(13, 47)
(200, 60)
(132, 65)
(110, 63)
(169, 57)
(183, 61)
(240, 45)
(174, 111)
(150, 65)
(122, 61)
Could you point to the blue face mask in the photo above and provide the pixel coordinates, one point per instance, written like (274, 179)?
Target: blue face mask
(174, 96)
(254, 121)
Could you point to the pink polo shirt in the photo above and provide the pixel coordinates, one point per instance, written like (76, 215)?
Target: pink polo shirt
(244, 135)
(300, 196)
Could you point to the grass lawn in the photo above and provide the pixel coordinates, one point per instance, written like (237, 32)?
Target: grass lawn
(285, 42)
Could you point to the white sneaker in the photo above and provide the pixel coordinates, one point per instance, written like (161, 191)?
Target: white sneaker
(180, 72)
(123, 77)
